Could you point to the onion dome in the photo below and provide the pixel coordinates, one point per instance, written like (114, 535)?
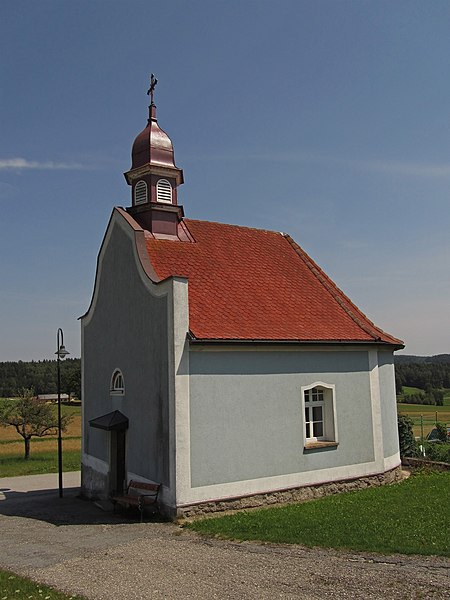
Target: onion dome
(152, 146)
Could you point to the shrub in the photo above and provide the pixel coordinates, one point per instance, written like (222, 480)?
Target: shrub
(438, 451)
(408, 444)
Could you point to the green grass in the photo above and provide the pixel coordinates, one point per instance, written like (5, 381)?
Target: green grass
(38, 462)
(408, 390)
(412, 517)
(13, 586)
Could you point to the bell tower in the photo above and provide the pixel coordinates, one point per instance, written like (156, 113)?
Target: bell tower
(154, 178)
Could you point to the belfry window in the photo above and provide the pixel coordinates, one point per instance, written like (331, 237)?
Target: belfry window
(163, 191)
(117, 384)
(140, 193)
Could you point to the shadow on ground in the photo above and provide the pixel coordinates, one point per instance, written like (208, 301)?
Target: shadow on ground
(46, 505)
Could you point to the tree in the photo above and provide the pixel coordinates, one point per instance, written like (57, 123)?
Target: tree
(408, 445)
(30, 417)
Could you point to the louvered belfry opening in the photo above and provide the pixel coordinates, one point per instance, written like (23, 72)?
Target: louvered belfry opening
(140, 192)
(163, 191)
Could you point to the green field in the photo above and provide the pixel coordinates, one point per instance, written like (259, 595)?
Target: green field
(44, 451)
(424, 415)
(412, 517)
(407, 390)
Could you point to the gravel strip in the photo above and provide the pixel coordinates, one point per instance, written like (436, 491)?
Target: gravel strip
(78, 548)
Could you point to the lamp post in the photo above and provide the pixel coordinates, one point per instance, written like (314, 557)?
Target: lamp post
(61, 353)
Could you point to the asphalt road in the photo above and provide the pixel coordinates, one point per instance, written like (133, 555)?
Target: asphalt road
(77, 547)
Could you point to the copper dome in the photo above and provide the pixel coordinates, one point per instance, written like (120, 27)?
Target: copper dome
(152, 146)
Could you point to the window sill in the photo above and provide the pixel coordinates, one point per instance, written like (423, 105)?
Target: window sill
(318, 445)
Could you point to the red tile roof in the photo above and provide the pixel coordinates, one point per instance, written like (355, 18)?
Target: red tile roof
(252, 284)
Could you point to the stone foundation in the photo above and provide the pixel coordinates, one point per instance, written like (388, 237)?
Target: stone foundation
(289, 496)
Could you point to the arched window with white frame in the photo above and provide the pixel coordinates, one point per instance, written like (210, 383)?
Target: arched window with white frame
(140, 192)
(163, 191)
(319, 410)
(117, 383)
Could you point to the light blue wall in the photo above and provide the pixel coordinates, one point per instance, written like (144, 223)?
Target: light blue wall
(128, 330)
(388, 403)
(246, 418)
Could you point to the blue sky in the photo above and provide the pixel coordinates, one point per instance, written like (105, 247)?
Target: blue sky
(326, 119)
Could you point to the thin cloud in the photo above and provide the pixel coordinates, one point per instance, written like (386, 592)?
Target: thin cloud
(402, 168)
(23, 163)
(377, 165)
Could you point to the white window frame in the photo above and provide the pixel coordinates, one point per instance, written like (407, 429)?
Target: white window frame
(164, 191)
(326, 399)
(117, 387)
(141, 192)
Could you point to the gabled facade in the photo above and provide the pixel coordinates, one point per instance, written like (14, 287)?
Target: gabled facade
(221, 362)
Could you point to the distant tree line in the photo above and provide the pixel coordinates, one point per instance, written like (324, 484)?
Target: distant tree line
(427, 373)
(41, 376)
(430, 396)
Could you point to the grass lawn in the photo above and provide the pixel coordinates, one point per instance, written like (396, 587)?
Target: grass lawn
(13, 586)
(412, 517)
(12, 465)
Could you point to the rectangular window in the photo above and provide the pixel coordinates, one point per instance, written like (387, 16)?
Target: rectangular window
(314, 409)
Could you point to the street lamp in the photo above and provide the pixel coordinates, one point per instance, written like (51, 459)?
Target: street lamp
(61, 353)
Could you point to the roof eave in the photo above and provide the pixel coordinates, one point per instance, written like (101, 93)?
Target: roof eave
(264, 342)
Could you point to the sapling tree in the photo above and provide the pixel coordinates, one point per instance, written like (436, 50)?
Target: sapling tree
(30, 417)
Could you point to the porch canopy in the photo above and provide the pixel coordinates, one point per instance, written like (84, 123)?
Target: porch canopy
(113, 421)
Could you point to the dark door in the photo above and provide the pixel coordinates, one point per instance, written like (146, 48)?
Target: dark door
(118, 470)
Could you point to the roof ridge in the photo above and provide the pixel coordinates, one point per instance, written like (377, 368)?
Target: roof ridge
(341, 298)
(232, 225)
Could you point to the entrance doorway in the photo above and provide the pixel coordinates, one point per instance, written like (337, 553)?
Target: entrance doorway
(118, 463)
(117, 424)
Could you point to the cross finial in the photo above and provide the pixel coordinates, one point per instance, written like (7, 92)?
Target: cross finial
(151, 89)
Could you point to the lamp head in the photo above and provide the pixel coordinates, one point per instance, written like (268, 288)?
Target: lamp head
(62, 352)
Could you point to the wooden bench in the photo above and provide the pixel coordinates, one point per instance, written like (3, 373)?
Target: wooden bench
(139, 495)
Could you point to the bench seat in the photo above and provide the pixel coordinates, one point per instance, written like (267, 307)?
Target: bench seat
(139, 494)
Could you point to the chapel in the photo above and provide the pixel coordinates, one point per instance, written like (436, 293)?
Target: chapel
(221, 362)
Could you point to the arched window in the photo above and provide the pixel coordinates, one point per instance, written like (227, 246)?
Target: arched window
(163, 191)
(140, 192)
(117, 383)
(319, 409)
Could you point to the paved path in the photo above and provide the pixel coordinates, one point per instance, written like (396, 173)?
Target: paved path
(73, 545)
(33, 483)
